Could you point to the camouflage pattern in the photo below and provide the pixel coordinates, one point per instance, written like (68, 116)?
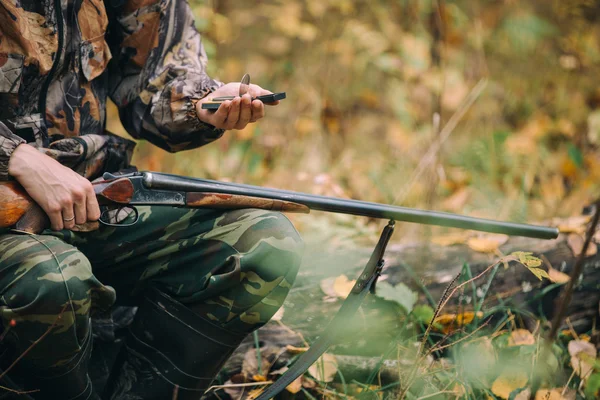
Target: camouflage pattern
(234, 267)
(61, 59)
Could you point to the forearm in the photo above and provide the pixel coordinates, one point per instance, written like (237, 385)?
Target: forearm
(158, 73)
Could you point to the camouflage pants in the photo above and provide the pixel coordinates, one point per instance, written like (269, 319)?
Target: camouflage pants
(234, 267)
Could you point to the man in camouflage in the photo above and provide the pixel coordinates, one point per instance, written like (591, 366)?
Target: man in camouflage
(203, 279)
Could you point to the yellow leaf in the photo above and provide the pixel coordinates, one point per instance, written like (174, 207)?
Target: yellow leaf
(451, 321)
(507, 382)
(583, 355)
(557, 277)
(342, 286)
(487, 243)
(295, 350)
(295, 386)
(520, 337)
(576, 242)
(325, 368)
(449, 240)
(259, 378)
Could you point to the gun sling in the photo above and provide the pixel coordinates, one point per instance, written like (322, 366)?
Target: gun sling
(338, 325)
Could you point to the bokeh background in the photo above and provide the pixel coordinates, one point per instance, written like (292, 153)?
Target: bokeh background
(489, 108)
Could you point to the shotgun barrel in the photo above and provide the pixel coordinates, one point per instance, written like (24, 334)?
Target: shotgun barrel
(161, 181)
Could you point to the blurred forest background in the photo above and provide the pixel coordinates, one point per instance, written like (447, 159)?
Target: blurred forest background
(490, 108)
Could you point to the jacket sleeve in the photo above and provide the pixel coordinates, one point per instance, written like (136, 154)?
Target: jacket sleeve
(158, 73)
(8, 143)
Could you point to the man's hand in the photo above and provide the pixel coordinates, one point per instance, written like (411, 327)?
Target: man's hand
(67, 197)
(236, 113)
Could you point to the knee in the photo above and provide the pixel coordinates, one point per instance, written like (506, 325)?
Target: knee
(52, 284)
(272, 247)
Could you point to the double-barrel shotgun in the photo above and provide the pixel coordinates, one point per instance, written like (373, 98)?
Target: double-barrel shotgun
(18, 210)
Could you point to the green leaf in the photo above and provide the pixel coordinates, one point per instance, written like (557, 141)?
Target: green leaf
(539, 273)
(530, 262)
(400, 294)
(423, 313)
(527, 259)
(575, 155)
(592, 387)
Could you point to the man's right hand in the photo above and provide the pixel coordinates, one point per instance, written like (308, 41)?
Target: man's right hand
(67, 197)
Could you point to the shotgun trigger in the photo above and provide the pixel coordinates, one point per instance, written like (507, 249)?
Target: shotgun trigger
(109, 214)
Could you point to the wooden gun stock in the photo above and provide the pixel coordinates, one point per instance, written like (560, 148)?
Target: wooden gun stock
(19, 210)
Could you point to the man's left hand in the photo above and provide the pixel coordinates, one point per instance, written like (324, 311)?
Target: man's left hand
(236, 113)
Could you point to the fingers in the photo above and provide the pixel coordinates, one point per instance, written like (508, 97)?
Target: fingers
(234, 114)
(56, 221)
(245, 112)
(92, 207)
(258, 110)
(68, 216)
(220, 116)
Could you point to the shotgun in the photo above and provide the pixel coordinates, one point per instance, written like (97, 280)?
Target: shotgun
(18, 210)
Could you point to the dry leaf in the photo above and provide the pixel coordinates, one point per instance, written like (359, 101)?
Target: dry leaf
(520, 337)
(259, 378)
(574, 224)
(325, 368)
(554, 394)
(278, 315)
(342, 286)
(308, 383)
(453, 321)
(487, 243)
(583, 355)
(295, 350)
(295, 386)
(557, 277)
(523, 395)
(449, 240)
(576, 242)
(507, 382)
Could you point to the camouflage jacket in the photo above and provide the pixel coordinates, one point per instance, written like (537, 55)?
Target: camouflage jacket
(60, 59)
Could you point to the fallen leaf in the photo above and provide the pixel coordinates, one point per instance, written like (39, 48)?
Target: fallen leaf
(574, 224)
(557, 277)
(278, 315)
(451, 321)
(451, 239)
(295, 386)
(325, 368)
(295, 350)
(507, 382)
(576, 242)
(342, 286)
(523, 395)
(554, 394)
(259, 378)
(308, 383)
(487, 243)
(520, 337)
(400, 294)
(583, 355)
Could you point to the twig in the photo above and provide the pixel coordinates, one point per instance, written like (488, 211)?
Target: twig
(175, 392)
(11, 366)
(565, 299)
(442, 137)
(568, 293)
(462, 339)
